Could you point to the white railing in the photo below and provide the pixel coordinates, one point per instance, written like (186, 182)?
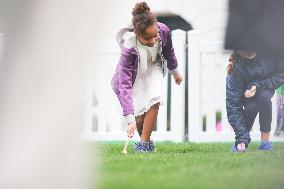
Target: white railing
(206, 96)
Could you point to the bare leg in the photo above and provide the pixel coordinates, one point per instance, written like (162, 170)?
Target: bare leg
(139, 123)
(265, 136)
(149, 122)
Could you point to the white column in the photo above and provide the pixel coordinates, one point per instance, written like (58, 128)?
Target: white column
(178, 91)
(209, 60)
(194, 101)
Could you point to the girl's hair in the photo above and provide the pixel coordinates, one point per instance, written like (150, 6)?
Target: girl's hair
(241, 53)
(142, 17)
(232, 60)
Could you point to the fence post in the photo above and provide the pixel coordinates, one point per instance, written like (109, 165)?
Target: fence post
(210, 60)
(1, 47)
(194, 86)
(178, 91)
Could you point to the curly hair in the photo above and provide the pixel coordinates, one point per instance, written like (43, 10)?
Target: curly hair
(232, 60)
(142, 17)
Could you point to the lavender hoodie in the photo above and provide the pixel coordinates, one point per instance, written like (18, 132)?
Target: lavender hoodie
(126, 70)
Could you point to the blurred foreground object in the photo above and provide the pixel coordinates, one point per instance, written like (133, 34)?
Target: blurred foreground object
(256, 25)
(47, 48)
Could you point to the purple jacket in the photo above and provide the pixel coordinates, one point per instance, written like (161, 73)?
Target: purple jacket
(126, 70)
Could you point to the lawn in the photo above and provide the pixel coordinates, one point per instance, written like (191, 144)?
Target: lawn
(188, 165)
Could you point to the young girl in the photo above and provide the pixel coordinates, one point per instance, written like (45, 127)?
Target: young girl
(250, 85)
(146, 54)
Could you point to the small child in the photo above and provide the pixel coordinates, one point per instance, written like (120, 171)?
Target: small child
(251, 82)
(146, 54)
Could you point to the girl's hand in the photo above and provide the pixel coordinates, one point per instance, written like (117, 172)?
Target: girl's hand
(178, 78)
(130, 129)
(251, 92)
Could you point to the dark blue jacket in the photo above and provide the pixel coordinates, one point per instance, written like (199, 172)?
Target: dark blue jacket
(263, 72)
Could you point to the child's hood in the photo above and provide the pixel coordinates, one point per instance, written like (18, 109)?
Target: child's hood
(126, 38)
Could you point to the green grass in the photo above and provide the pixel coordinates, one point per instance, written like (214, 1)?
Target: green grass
(186, 165)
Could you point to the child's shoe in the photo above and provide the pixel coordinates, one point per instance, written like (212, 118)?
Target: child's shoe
(152, 146)
(265, 146)
(234, 149)
(144, 146)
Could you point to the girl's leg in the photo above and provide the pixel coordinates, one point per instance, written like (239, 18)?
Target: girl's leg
(149, 122)
(139, 123)
(251, 111)
(265, 113)
(265, 136)
(234, 106)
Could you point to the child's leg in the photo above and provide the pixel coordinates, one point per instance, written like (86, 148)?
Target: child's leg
(139, 123)
(149, 122)
(251, 111)
(265, 113)
(234, 106)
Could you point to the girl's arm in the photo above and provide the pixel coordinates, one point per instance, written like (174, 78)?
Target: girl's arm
(234, 105)
(126, 66)
(274, 81)
(169, 54)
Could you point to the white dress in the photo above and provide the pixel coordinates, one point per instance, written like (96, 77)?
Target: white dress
(148, 85)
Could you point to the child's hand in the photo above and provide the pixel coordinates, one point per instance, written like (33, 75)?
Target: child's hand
(251, 92)
(178, 78)
(130, 129)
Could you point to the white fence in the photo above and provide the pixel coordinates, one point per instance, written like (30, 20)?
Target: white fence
(206, 72)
